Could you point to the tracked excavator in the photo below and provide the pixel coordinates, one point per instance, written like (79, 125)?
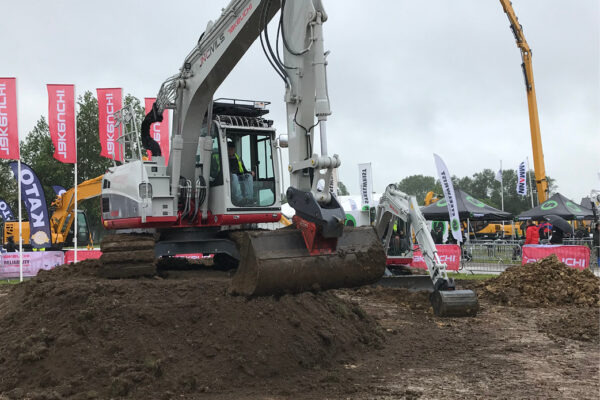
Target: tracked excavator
(397, 209)
(223, 168)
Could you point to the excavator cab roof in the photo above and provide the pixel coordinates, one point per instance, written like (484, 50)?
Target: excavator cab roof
(240, 108)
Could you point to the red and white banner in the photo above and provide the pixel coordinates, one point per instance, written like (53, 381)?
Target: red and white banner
(9, 133)
(159, 130)
(33, 262)
(574, 256)
(109, 101)
(61, 121)
(81, 255)
(448, 253)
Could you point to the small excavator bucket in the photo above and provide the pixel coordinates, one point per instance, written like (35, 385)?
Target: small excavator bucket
(454, 303)
(278, 262)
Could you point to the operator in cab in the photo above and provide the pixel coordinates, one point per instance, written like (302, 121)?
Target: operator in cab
(242, 187)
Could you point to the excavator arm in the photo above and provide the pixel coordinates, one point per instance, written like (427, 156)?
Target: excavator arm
(534, 120)
(446, 301)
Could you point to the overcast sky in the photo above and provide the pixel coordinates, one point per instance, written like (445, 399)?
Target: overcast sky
(406, 78)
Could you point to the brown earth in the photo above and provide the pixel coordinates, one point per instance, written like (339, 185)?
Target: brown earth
(68, 335)
(547, 282)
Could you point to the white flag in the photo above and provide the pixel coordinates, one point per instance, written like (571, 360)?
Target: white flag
(365, 183)
(499, 176)
(450, 197)
(522, 179)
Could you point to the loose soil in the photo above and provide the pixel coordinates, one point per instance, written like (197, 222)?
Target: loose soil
(69, 335)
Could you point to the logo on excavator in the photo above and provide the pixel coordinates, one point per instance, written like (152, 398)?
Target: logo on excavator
(209, 52)
(240, 18)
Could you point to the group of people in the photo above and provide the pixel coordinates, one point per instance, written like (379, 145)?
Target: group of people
(534, 233)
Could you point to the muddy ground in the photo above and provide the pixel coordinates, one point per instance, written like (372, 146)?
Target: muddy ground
(67, 335)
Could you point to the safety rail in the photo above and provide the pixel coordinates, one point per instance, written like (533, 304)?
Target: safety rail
(490, 257)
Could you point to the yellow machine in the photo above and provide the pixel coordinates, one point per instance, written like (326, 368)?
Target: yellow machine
(534, 121)
(61, 219)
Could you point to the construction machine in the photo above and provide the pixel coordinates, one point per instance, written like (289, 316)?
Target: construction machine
(541, 180)
(223, 169)
(398, 211)
(61, 220)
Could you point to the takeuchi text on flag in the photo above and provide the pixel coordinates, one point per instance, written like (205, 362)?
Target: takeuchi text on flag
(109, 102)
(9, 133)
(522, 179)
(61, 121)
(159, 130)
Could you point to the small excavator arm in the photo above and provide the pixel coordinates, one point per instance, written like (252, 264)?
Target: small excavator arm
(445, 299)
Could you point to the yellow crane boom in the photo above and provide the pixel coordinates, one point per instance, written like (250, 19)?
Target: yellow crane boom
(534, 122)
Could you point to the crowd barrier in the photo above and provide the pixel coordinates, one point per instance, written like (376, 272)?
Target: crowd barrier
(490, 257)
(33, 262)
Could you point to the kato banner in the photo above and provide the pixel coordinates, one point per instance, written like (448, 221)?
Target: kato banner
(109, 101)
(159, 130)
(33, 262)
(32, 194)
(574, 256)
(61, 122)
(5, 211)
(9, 133)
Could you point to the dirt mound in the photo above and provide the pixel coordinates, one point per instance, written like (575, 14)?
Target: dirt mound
(581, 324)
(66, 334)
(547, 282)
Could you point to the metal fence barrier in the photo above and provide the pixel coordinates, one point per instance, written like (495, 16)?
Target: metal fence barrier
(490, 257)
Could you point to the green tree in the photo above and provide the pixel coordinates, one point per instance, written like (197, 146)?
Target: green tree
(419, 185)
(8, 186)
(342, 189)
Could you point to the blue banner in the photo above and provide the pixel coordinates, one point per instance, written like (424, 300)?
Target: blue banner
(5, 211)
(32, 194)
(58, 190)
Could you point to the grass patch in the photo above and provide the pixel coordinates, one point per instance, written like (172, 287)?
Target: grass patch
(9, 281)
(473, 277)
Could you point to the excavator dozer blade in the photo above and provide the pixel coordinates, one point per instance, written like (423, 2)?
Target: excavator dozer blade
(454, 303)
(414, 283)
(278, 262)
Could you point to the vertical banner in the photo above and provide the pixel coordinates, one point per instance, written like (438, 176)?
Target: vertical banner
(32, 194)
(5, 211)
(159, 130)
(61, 121)
(58, 190)
(522, 179)
(9, 132)
(365, 183)
(450, 196)
(109, 102)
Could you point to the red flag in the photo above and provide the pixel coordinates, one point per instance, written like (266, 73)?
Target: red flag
(9, 133)
(159, 130)
(61, 121)
(109, 101)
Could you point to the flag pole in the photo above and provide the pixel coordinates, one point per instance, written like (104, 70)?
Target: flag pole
(20, 220)
(501, 186)
(75, 180)
(530, 185)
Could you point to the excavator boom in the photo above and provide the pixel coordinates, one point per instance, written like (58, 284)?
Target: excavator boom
(534, 120)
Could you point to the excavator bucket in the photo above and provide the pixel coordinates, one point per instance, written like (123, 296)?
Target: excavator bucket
(278, 262)
(454, 303)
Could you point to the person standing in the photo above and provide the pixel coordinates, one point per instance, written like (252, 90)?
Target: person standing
(10, 245)
(532, 235)
(557, 236)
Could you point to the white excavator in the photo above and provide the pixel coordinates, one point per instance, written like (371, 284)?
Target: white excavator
(400, 211)
(223, 171)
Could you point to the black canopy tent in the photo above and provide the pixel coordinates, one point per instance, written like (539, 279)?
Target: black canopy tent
(558, 205)
(468, 208)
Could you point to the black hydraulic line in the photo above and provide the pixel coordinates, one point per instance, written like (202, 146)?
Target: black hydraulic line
(263, 27)
(147, 141)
